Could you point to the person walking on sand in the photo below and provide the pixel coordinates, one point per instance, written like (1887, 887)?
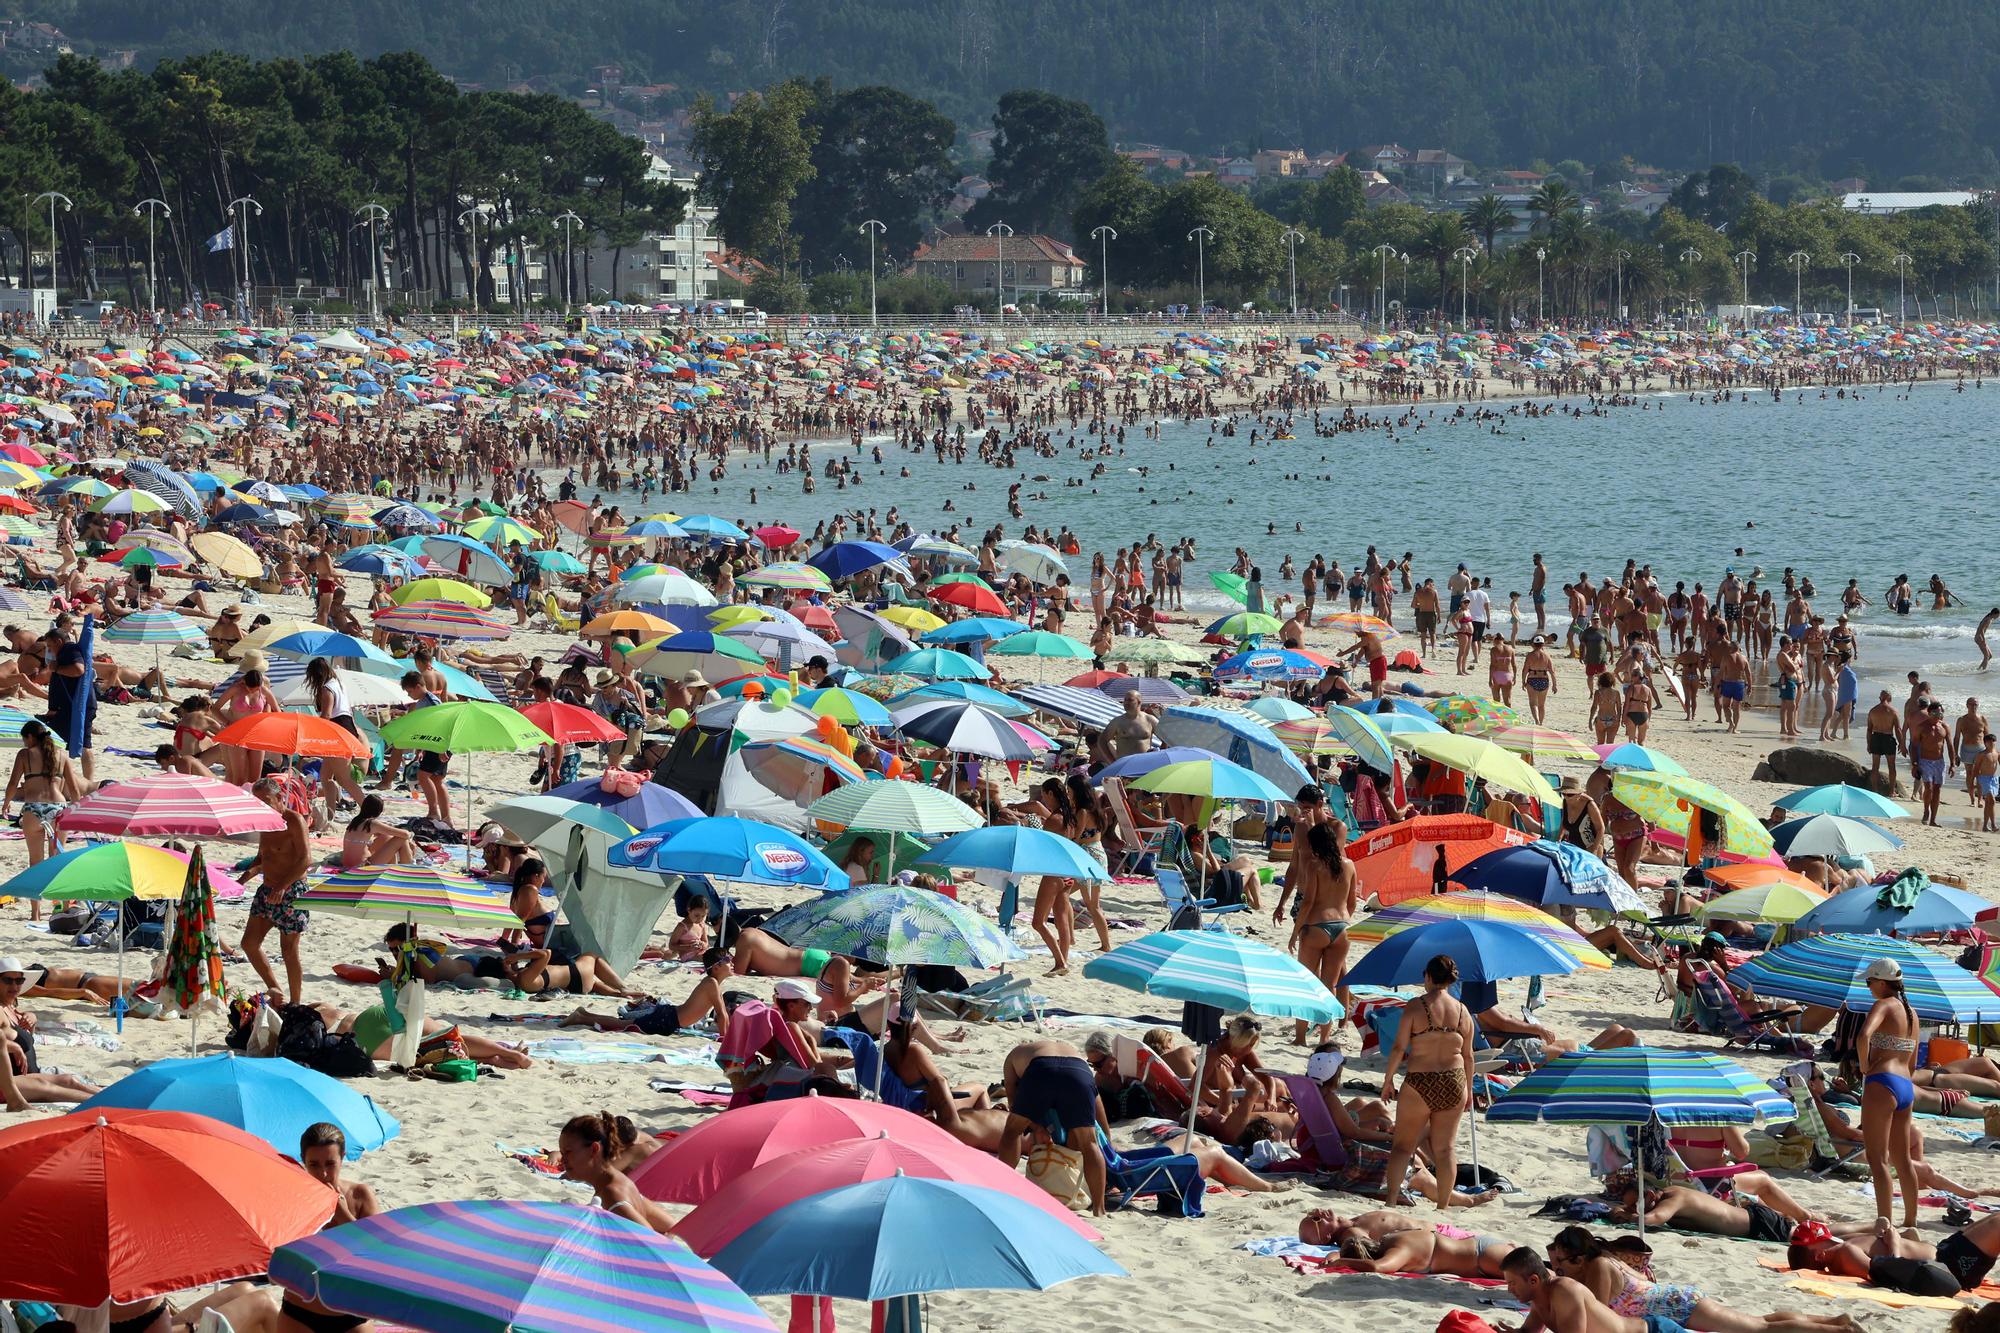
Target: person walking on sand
(283, 857)
(1985, 774)
(1968, 738)
(1732, 683)
(1435, 1041)
(1931, 753)
(1326, 906)
(1885, 736)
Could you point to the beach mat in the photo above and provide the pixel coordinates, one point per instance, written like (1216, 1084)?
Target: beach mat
(1836, 1288)
(570, 1051)
(1985, 1291)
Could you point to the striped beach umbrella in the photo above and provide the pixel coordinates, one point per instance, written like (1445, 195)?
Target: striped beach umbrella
(1476, 905)
(1543, 745)
(896, 925)
(1358, 622)
(505, 1266)
(792, 575)
(166, 805)
(443, 620)
(112, 872)
(1470, 715)
(1840, 798)
(894, 807)
(156, 627)
(409, 893)
(499, 530)
(1216, 968)
(1827, 970)
(962, 728)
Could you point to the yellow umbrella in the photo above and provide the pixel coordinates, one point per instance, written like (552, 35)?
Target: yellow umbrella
(1778, 901)
(228, 554)
(630, 622)
(1480, 758)
(269, 634)
(913, 618)
(13, 474)
(729, 617)
(1669, 800)
(440, 590)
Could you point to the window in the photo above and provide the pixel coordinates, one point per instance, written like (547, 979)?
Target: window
(961, 270)
(1033, 273)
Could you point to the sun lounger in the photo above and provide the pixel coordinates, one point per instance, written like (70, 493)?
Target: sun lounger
(1174, 1177)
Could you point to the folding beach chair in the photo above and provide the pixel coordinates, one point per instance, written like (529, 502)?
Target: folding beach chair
(1140, 1062)
(1174, 892)
(1317, 1120)
(1713, 1008)
(1136, 844)
(1174, 1177)
(558, 618)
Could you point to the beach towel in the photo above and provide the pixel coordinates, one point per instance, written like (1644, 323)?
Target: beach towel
(1985, 1291)
(1335, 1267)
(1901, 893)
(1286, 1247)
(1835, 1288)
(570, 1051)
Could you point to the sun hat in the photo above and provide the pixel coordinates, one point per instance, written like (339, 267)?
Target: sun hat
(1323, 1065)
(694, 680)
(791, 988)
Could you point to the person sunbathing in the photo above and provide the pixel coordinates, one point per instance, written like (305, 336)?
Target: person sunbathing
(22, 1079)
(762, 954)
(1841, 1130)
(1232, 1067)
(1578, 1254)
(1224, 1167)
(1447, 1250)
(918, 1084)
(24, 676)
(541, 968)
(658, 1018)
(373, 1030)
(70, 983)
(589, 1143)
(1705, 1149)
(1959, 1262)
(438, 968)
(1697, 1210)
(1383, 1231)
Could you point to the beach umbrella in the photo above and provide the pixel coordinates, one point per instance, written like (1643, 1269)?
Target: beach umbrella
(911, 619)
(1245, 625)
(509, 1266)
(165, 484)
(1211, 778)
(276, 1100)
(533, 818)
(1397, 861)
(636, 623)
(1867, 909)
(1831, 836)
(1477, 905)
(560, 563)
(231, 555)
(896, 925)
(498, 530)
(314, 641)
(1358, 622)
(461, 557)
(963, 728)
(1145, 651)
(1268, 664)
(363, 690)
(302, 734)
(876, 1241)
(787, 640)
(442, 620)
(844, 706)
(1233, 586)
(1839, 798)
(742, 851)
(1041, 643)
(1641, 757)
(1640, 1085)
(1780, 900)
(937, 664)
(1137, 765)
(569, 723)
(776, 535)
(668, 587)
(1244, 741)
(712, 1154)
(974, 597)
(708, 525)
(1828, 970)
(412, 893)
(382, 561)
(651, 804)
(130, 502)
(103, 1182)
(1550, 874)
(1543, 745)
(794, 1176)
(894, 807)
(1015, 850)
(694, 650)
(1468, 714)
(1668, 801)
(465, 726)
(156, 627)
(440, 590)
(1481, 758)
(194, 961)
(1275, 709)
(957, 691)
(1042, 564)
(1363, 733)
(1486, 950)
(1086, 706)
(846, 559)
(167, 805)
(791, 575)
(113, 872)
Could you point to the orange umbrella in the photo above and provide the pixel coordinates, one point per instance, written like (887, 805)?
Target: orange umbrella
(293, 733)
(631, 622)
(1396, 861)
(131, 1204)
(1758, 874)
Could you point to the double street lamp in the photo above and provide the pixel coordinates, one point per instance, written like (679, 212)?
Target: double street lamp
(1000, 231)
(874, 227)
(1201, 235)
(1104, 235)
(152, 208)
(371, 214)
(53, 196)
(1465, 254)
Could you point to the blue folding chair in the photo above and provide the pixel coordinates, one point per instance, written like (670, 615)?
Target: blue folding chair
(1174, 891)
(1174, 1177)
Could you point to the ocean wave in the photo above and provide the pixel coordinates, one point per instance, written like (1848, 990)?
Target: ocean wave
(1932, 630)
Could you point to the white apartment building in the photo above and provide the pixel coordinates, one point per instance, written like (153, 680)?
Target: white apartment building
(661, 266)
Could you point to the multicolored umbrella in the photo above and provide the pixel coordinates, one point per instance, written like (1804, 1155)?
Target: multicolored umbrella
(1470, 715)
(1358, 622)
(791, 575)
(502, 1266)
(443, 620)
(1828, 970)
(1363, 733)
(847, 707)
(896, 925)
(1476, 905)
(194, 961)
(440, 590)
(1543, 745)
(1213, 779)
(157, 627)
(409, 893)
(1636, 1085)
(1778, 901)
(114, 871)
(169, 805)
(498, 530)
(1668, 801)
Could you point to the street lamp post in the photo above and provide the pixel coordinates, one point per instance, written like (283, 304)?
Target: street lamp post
(1382, 252)
(470, 219)
(1620, 256)
(53, 196)
(1848, 261)
(372, 214)
(1403, 302)
(1541, 254)
(1291, 236)
(1104, 235)
(1465, 254)
(1000, 231)
(243, 244)
(152, 208)
(1688, 256)
(1798, 259)
(1201, 235)
(569, 222)
(1903, 263)
(1746, 258)
(874, 227)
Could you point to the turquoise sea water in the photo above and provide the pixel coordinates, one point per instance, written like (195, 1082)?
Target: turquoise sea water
(1866, 487)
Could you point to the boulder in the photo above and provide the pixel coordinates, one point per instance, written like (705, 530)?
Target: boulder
(1811, 766)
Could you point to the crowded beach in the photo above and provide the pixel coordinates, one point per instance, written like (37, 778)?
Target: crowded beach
(389, 717)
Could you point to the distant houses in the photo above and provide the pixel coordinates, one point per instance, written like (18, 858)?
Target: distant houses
(1033, 264)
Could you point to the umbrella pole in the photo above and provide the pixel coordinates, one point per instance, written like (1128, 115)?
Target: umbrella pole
(118, 1005)
(1194, 1101)
(1639, 1161)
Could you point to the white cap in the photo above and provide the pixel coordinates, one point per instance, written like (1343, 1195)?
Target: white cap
(1323, 1065)
(791, 988)
(1882, 969)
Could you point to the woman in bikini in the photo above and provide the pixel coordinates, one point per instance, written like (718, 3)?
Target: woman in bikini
(1233, 1064)
(1086, 828)
(1578, 1254)
(1639, 699)
(45, 781)
(195, 722)
(541, 969)
(248, 696)
(1446, 1251)
(369, 841)
(1326, 906)
(1053, 918)
(1605, 702)
(1435, 1041)
(1500, 671)
(1888, 1050)
(589, 1145)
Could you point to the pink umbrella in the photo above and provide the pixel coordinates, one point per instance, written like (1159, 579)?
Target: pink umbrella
(749, 1199)
(696, 1166)
(163, 805)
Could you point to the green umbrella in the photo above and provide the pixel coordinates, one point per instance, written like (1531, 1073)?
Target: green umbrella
(1233, 585)
(1245, 624)
(467, 726)
(973, 579)
(1041, 643)
(1150, 650)
(894, 807)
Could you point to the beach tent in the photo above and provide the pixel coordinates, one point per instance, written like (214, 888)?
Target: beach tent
(705, 765)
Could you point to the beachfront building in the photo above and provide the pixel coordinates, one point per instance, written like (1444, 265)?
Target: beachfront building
(1035, 264)
(684, 264)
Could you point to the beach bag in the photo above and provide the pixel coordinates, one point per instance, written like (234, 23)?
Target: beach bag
(1463, 1321)
(1059, 1171)
(622, 782)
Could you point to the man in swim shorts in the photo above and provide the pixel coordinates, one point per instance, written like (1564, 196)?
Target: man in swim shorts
(1050, 1089)
(1968, 736)
(1930, 751)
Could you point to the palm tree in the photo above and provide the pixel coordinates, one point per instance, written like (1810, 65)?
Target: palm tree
(1444, 234)
(1489, 216)
(1551, 201)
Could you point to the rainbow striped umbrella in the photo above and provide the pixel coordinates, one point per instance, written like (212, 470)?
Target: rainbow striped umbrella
(437, 619)
(354, 511)
(506, 1266)
(788, 574)
(156, 627)
(498, 530)
(1309, 735)
(1543, 745)
(409, 893)
(113, 871)
(11, 722)
(1476, 905)
(1470, 715)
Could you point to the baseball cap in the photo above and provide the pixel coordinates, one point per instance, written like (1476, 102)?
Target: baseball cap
(1323, 1065)
(1884, 969)
(791, 988)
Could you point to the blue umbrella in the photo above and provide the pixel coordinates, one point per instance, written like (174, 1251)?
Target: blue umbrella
(1641, 757)
(656, 527)
(936, 664)
(879, 1240)
(976, 629)
(277, 1100)
(327, 643)
(1015, 850)
(1269, 664)
(1827, 970)
(964, 691)
(381, 560)
(1861, 911)
(729, 848)
(1832, 836)
(1838, 798)
(401, 515)
(1485, 951)
(1239, 740)
(708, 525)
(1551, 874)
(896, 925)
(845, 559)
(1138, 765)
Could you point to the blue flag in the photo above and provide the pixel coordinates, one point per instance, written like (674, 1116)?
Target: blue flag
(223, 240)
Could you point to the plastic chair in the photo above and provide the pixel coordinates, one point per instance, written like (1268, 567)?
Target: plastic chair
(552, 611)
(1714, 1009)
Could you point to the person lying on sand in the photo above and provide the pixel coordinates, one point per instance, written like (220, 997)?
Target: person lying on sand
(761, 954)
(473, 971)
(1577, 1253)
(372, 1030)
(659, 1018)
(21, 1078)
(1698, 1210)
(1959, 1262)
(69, 983)
(541, 968)
(1440, 1248)
(1839, 1129)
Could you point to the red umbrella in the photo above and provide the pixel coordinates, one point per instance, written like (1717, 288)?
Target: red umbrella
(293, 733)
(1090, 680)
(567, 722)
(696, 1166)
(130, 1204)
(970, 596)
(776, 534)
(1396, 861)
(169, 805)
(14, 504)
(750, 1198)
(815, 617)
